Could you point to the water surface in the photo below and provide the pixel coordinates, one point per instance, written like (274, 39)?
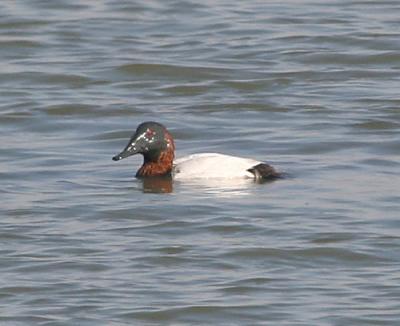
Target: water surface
(308, 86)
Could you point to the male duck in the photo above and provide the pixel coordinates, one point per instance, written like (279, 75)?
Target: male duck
(156, 144)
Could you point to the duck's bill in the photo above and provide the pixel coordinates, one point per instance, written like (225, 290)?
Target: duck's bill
(131, 149)
(120, 156)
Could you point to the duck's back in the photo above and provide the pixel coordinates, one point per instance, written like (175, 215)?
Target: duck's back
(213, 165)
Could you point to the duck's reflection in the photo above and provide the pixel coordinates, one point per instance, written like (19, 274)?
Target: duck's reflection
(158, 185)
(219, 187)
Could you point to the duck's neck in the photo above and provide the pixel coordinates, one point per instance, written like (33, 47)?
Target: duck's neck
(161, 164)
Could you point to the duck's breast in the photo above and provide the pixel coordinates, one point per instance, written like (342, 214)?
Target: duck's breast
(213, 165)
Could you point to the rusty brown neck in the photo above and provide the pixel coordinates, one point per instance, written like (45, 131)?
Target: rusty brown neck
(162, 165)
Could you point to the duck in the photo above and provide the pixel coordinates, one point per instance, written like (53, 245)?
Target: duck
(156, 144)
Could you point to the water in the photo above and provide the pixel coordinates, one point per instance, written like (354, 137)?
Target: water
(311, 87)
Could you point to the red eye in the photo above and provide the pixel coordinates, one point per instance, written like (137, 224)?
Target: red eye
(150, 133)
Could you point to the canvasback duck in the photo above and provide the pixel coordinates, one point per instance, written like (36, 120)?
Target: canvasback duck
(157, 146)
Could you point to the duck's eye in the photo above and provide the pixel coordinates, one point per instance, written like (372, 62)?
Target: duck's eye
(150, 133)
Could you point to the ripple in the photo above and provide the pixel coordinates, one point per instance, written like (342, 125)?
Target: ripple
(387, 58)
(325, 254)
(70, 109)
(17, 44)
(15, 117)
(186, 90)
(49, 79)
(377, 125)
(22, 23)
(194, 313)
(171, 71)
(311, 87)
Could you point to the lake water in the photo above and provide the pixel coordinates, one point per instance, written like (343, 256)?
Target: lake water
(311, 87)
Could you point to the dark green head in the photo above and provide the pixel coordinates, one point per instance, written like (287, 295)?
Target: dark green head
(150, 139)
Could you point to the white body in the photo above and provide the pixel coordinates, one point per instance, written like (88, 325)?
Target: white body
(213, 165)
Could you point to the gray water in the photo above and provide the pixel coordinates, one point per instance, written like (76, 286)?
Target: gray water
(312, 87)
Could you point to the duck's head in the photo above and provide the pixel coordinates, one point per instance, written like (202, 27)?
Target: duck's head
(150, 139)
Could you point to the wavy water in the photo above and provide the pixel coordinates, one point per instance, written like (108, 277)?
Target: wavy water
(311, 87)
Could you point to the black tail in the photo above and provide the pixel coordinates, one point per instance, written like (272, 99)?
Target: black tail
(264, 171)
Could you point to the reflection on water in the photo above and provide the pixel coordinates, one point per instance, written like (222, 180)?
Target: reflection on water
(157, 185)
(219, 187)
(310, 86)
